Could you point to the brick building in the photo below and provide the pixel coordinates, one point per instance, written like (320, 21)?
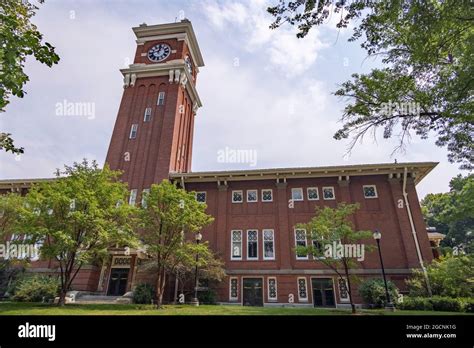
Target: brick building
(254, 227)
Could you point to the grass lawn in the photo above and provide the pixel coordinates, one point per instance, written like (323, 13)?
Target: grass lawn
(15, 308)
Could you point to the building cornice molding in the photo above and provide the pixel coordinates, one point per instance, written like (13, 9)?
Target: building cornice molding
(418, 169)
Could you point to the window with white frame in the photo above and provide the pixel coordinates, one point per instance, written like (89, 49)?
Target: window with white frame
(161, 98)
(252, 245)
(236, 245)
(370, 191)
(147, 115)
(297, 194)
(267, 195)
(268, 245)
(252, 196)
(318, 247)
(312, 193)
(133, 131)
(343, 292)
(272, 289)
(145, 193)
(302, 289)
(133, 197)
(328, 193)
(237, 197)
(201, 197)
(233, 289)
(300, 241)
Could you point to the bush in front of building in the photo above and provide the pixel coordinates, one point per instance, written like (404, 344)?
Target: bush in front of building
(143, 294)
(373, 292)
(450, 276)
(36, 289)
(437, 303)
(207, 297)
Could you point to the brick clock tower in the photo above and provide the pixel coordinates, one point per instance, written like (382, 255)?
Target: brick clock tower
(153, 133)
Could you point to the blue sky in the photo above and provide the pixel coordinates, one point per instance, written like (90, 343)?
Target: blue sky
(262, 90)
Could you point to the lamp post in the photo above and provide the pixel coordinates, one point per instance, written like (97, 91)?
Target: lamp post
(389, 305)
(195, 300)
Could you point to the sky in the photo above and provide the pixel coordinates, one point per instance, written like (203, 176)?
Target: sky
(263, 90)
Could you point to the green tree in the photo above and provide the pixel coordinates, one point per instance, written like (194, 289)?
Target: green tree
(77, 218)
(333, 226)
(19, 38)
(10, 207)
(452, 213)
(451, 276)
(167, 223)
(426, 86)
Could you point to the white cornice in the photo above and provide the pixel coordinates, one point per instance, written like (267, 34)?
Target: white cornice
(162, 69)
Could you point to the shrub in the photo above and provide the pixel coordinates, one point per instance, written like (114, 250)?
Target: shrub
(373, 292)
(449, 276)
(207, 297)
(437, 303)
(143, 294)
(36, 289)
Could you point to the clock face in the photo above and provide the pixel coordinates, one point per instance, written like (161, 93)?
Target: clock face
(159, 52)
(189, 65)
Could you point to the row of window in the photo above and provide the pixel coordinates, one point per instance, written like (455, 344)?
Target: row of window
(147, 115)
(268, 245)
(312, 194)
(272, 291)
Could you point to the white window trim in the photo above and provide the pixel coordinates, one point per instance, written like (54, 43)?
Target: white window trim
(241, 193)
(230, 289)
(247, 196)
(272, 299)
(339, 291)
(133, 194)
(302, 299)
(307, 193)
(134, 127)
(147, 113)
(296, 244)
(158, 100)
(263, 244)
(301, 191)
(333, 193)
(145, 192)
(232, 257)
(375, 189)
(247, 251)
(205, 196)
(266, 201)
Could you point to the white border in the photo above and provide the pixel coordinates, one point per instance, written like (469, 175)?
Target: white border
(263, 244)
(241, 193)
(302, 194)
(232, 245)
(269, 299)
(333, 193)
(375, 189)
(296, 245)
(247, 196)
(131, 131)
(307, 193)
(302, 299)
(247, 244)
(230, 289)
(271, 190)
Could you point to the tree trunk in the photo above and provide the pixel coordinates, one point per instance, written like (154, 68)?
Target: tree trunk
(349, 288)
(62, 297)
(160, 288)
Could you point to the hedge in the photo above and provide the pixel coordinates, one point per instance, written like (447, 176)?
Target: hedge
(438, 303)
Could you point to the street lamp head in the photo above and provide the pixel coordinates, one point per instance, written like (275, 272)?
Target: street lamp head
(377, 235)
(198, 237)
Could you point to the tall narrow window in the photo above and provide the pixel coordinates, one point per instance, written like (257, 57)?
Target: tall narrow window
(236, 245)
(272, 289)
(161, 98)
(133, 197)
(133, 131)
(268, 245)
(302, 290)
(234, 289)
(145, 193)
(343, 291)
(300, 241)
(252, 245)
(147, 116)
